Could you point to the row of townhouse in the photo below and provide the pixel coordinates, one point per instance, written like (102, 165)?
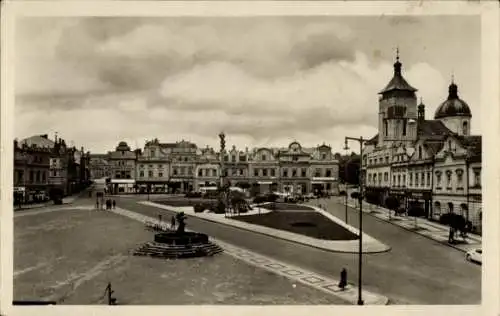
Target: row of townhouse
(43, 166)
(183, 167)
(435, 164)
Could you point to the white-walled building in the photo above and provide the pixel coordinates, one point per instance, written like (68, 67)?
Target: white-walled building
(410, 157)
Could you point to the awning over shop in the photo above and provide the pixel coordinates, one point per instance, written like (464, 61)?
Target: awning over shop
(264, 182)
(324, 179)
(123, 181)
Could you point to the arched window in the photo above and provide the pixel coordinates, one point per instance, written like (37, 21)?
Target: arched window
(450, 207)
(465, 128)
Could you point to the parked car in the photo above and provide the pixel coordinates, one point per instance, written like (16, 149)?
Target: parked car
(475, 255)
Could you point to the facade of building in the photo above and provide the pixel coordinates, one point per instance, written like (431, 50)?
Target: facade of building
(45, 167)
(236, 167)
(207, 170)
(182, 167)
(264, 170)
(99, 166)
(410, 157)
(31, 170)
(122, 165)
(153, 168)
(182, 156)
(457, 178)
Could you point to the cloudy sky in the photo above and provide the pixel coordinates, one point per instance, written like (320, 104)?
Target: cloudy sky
(261, 80)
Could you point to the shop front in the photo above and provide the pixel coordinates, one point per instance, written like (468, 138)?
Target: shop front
(180, 185)
(421, 199)
(122, 186)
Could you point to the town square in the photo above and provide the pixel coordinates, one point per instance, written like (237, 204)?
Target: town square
(260, 160)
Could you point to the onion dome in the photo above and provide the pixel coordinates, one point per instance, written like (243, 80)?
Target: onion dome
(453, 106)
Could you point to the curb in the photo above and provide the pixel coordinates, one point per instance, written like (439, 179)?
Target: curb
(415, 232)
(274, 236)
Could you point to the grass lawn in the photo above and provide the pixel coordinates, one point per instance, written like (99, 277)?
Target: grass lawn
(286, 206)
(310, 224)
(182, 202)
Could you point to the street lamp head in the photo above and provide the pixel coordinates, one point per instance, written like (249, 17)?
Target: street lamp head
(346, 147)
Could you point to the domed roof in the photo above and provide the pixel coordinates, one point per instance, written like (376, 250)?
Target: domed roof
(453, 106)
(122, 146)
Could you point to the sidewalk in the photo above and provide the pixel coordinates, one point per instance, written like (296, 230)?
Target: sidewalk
(67, 200)
(370, 244)
(424, 227)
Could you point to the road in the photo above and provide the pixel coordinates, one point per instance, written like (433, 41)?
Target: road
(417, 270)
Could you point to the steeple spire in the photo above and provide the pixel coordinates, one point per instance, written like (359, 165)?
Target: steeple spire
(397, 64)
(452, 89)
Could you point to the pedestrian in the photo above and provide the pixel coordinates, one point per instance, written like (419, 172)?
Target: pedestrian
(114, 204)
(172, 223)
(343, 279)
(97, 203)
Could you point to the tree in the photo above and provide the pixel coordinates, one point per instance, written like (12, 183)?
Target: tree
(349, 169)
(392, 203)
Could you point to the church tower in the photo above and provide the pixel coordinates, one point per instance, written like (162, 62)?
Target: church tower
(397, 110)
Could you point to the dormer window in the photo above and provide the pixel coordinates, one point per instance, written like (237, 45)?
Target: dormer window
(323, 156)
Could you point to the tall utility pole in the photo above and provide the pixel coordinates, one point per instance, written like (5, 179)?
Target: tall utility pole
(360, 255)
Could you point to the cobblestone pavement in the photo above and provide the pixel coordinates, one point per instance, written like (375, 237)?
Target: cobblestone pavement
(70, 256)
(413, 271)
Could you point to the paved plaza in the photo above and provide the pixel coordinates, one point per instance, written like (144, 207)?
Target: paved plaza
(69, 255)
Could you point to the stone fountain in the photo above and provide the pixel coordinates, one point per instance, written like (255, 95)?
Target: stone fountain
(178, 244)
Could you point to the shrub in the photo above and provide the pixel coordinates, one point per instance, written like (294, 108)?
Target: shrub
(220, 208)
(271, 197)
(199, 208)
(259, 199)
(445, 219)
(355, 195)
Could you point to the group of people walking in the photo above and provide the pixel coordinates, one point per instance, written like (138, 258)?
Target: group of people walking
(110, 204)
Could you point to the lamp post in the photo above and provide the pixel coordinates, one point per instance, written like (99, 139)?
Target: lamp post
(360, 140)
(345, 183)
